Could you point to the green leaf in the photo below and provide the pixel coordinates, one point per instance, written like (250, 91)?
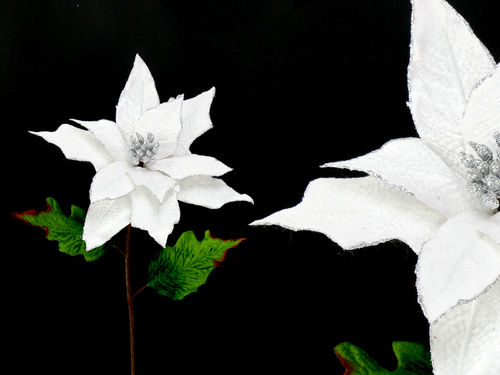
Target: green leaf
(413, 359)
(179, 270)
(67, 231)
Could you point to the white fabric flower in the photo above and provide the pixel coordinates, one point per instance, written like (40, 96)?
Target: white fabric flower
(419, 192)
(143, 163)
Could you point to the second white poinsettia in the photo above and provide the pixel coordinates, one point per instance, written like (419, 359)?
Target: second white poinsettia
(438, 193)
(143, 162)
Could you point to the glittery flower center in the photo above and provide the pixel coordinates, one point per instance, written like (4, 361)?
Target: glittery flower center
(483, 173)
(143, 151)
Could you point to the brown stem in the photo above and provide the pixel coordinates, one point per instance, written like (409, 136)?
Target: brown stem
(130, 300)
(140, 290)
(120, 250)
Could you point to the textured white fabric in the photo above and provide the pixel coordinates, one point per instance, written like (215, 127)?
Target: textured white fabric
(466, 341)
(77, 144)
(447, 61)
(410, 164)
(111, 182)
(183, 166)
(156, 182)
(168, 215)
(138, 96)
(208, 192)
(164, 122)
(491, 227)
(104, 219)
(482, 116)
(195, 120)
(359, 212)
(109, 135)
(147, 214)
(457, 263)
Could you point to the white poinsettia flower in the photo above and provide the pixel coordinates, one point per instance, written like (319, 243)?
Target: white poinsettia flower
(438, 193)
(143, 163)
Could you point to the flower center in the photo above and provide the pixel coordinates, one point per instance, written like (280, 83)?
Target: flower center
(142, 151)
(483, 173)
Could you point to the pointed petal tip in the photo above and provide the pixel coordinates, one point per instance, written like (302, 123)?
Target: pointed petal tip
(247, 198)
(328, 165)
(208, 93)
(140, 65)
(89, 243)
(138, 59)
(81, 122)
(270, 219)
(160, 240)
(259, 222)
(241, 198)
(207, 96)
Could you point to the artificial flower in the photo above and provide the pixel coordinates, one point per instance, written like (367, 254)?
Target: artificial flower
(438, 193)
(143, 161)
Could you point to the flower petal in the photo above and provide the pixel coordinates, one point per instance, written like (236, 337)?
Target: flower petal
(447, 62)
(491, 227)
(466, 340)
(164, 122)
(169, 214)
(111, 182)
(104, 219)
(156, 182)
(195, 120)
(410, 164)
(144, 208)
(108, 133)
(138, 96)
(208, 192)
(157, 219)
(456, 264)
(359, 212)
(78, 144)
(183, 166)
(482, 116)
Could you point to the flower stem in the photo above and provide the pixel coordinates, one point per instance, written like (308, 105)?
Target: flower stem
(120, 250)
(138, 291)
(130, 300)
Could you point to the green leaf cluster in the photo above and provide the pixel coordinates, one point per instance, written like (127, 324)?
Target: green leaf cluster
(180, 270)
(413, 359)
(67, 231)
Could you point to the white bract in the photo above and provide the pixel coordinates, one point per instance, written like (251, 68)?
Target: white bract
(143, 162)
(437, 193)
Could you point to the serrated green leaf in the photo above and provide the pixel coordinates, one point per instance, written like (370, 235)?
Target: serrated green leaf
(67, 231)
(179, 270)
(413, 359)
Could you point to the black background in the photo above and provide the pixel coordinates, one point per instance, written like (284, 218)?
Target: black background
(299, 83)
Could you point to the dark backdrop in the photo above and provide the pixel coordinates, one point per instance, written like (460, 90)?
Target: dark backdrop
(299, 83)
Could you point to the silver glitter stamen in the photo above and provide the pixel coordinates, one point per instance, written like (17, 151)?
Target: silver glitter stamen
(482, 151)
(143, 151)
(495, 169)
(483, 174)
